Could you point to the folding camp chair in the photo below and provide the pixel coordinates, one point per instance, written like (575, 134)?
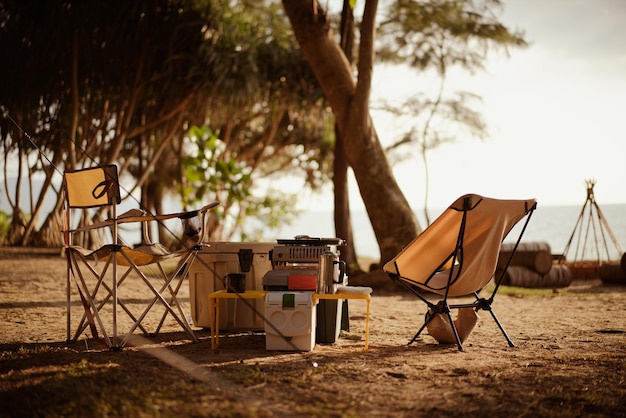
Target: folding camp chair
(457, 256)
(96, 273)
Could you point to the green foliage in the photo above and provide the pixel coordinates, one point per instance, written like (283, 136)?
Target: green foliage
(5, 221)
(441, 33)
(121, 82)
(213, 173)
(110, 62)
(208, 170)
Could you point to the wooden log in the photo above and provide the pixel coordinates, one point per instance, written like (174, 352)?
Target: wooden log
(535, 256)
(612, 273)
(520, 276)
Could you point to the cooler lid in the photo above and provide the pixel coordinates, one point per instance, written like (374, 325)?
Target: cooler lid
(234, 247)
(289, 300)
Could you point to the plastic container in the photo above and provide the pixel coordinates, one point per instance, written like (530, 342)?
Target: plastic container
(290, 279)
(207, 273)
(290, 321)
(329, 320)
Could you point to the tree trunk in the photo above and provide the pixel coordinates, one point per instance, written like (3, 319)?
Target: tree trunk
(31, 227)
(343, 221)
(393, 220)
(17, 226)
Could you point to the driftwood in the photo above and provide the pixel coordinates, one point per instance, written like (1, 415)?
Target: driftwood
(559, 276)
(535, 256)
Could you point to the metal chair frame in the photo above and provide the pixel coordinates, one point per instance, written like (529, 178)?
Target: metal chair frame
(458, 260)
(89, 269)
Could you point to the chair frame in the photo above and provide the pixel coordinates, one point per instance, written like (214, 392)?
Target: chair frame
(443, 305)
(82, 263)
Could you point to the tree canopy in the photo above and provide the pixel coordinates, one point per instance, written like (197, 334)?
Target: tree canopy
(199, 98)
(124, 82)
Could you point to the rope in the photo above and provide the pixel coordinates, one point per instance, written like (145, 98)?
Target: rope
(249, 304)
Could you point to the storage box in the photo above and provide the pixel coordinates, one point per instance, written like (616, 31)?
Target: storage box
(290, 279)
(206, 276)
(290, 321)
(300, 281)
(329, 320)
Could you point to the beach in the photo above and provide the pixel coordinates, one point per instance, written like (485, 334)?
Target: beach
(569, 359)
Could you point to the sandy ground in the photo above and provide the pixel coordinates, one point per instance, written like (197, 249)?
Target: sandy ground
(569, 359)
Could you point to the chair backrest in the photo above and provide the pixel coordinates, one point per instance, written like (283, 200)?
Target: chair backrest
(99, 186)
(89, 188)
(92, 187)
(471, 231)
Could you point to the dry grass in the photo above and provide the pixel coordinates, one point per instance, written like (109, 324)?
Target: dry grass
(569, 360)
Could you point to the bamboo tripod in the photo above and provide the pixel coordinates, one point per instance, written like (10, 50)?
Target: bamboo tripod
(591, 230)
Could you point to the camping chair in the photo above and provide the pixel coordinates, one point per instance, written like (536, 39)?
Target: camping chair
(96, 273)
(457, 256)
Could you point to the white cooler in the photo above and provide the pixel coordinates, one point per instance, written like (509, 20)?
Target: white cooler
(292, 316)
(206, 276)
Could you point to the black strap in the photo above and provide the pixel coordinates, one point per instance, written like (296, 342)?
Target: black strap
(105, 185)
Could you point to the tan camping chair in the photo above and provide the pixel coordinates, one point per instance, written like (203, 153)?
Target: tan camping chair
(96, 273)
(457, 256)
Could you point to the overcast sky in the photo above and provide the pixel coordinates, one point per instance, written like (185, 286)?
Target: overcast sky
(556, 112)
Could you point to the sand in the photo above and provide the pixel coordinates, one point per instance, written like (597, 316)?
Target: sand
(569, 358)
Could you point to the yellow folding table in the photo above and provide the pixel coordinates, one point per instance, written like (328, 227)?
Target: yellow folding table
(343, 294)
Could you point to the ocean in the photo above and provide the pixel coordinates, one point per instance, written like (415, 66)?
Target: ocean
(552, 224)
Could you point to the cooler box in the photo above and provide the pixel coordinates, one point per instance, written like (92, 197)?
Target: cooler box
(293, 317)
(206, 276)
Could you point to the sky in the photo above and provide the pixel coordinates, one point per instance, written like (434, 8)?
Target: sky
(555, 113)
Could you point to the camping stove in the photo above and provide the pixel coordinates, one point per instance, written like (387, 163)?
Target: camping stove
(303, 263)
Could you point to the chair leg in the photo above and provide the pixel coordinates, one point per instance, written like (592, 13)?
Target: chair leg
(506, 336)
(158, 297)
(83, 323)
(182, 272)
(174, 303)
(428, 317)
(456, 333)
(68, 301)
(485, 305)
(91, 315)
(416, 336)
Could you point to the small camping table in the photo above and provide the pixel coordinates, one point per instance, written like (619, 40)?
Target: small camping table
(214, 307)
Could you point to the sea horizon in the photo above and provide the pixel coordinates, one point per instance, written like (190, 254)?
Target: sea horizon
(551, 224)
